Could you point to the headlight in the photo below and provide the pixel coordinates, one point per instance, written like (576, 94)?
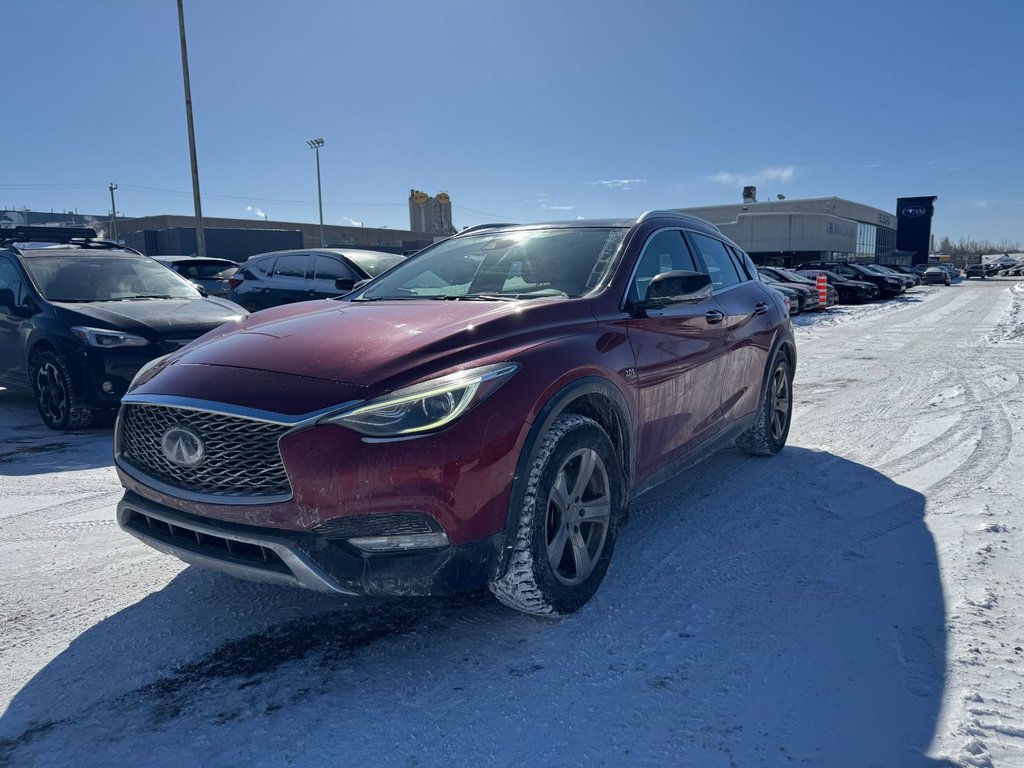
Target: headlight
(892, 281)
(101, 337)
(426, 406)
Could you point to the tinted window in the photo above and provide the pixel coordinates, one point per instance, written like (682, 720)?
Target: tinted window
(743, 263)
(209, 269)
(11, 279)
(666, 251)
(293, 265)
(719, 263)
(326, 268)
(262, 267)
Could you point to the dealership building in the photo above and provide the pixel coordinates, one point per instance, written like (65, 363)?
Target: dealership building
(789, 232)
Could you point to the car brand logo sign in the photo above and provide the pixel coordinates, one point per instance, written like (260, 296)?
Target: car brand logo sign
(914, 210)
(183, 447)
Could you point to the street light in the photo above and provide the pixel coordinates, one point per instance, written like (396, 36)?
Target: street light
(315, 145)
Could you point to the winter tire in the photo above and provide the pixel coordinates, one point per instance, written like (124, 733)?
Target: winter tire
(771, 423)
(568, 521)
(54, 395)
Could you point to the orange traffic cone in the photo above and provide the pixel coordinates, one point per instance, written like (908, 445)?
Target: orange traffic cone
(822, 284)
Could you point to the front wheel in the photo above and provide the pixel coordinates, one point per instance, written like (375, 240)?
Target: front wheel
(568, 521)
(54, 395)
(771, 423)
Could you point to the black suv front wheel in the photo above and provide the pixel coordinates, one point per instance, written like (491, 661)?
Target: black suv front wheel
(54, 395)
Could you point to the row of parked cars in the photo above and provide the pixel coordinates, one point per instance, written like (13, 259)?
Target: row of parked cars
(848, 283)
(994, 268)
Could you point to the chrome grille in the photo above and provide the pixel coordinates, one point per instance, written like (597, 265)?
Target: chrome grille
(242, 457)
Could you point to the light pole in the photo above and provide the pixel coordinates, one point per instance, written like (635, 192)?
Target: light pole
(113, 213)
(315, 145)
(200, 234)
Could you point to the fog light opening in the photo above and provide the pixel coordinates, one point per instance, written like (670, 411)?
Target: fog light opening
(400, 543)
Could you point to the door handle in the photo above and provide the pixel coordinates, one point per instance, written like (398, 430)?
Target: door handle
(714, 316)
(760, 308)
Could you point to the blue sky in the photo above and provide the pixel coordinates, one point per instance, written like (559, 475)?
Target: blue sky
(522, 110)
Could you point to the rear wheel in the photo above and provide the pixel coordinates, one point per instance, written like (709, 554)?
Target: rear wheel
(568, 521)
(771, 424)
(54, 395)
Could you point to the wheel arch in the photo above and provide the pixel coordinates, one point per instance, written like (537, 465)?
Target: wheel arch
(590, 396)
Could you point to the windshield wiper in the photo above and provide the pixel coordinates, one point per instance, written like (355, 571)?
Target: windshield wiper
(476, 297)
(147, 296)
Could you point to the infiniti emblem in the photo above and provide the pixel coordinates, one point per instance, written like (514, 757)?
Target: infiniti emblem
(183, 447)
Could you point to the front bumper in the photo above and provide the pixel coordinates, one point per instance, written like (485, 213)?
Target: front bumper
(315, 561)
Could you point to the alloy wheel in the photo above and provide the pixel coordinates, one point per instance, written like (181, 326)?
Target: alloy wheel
(780, 403)
(52, 393)
(578, 514)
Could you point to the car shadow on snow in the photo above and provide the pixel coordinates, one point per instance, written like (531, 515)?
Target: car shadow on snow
(29, 447)
(758, 612)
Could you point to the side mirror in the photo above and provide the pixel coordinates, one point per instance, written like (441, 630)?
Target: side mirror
(359, 284)
(198, 287)
(344, 284)
(677, 287)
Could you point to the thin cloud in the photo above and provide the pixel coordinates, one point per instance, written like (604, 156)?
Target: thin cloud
(351, 222)
(981, 203)
(559, 207)
(622, 184)
(780, 174)
(257, 211)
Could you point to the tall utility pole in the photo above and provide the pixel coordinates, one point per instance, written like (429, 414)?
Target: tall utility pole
(200, 235)
(315, 145)
(113, 212)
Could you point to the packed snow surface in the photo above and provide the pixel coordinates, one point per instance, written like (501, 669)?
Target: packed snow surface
(855, 601)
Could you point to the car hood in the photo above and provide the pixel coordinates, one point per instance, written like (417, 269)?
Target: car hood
(365, 344)
(154, 318)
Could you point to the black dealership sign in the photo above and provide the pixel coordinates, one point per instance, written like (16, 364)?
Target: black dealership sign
(914, 226)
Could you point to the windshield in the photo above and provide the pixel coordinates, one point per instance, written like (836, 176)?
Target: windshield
(519, 264)
(123, 277)
(374, 263)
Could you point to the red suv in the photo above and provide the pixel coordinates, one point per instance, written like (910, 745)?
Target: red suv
(481, 414)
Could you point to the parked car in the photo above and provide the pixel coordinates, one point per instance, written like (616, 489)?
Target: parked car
(77, 321)
(936, 275)
(210, 274)
(911, 271)
(850, 291)
(880, 269)
(481, 414)
(283, 277)
(980, 270)
(792, 279)
(888, 285)
(795, 300)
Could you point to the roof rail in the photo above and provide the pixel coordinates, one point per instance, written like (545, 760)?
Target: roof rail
(496, 225)
(677, 214)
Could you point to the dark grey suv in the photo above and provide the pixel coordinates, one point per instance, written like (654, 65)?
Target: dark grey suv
(284, 277)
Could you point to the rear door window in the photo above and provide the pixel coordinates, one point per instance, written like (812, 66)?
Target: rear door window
(292, 265)
(719, 263)
(326, 268)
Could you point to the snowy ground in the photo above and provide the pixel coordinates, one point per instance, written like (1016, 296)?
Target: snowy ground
(856, 601)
